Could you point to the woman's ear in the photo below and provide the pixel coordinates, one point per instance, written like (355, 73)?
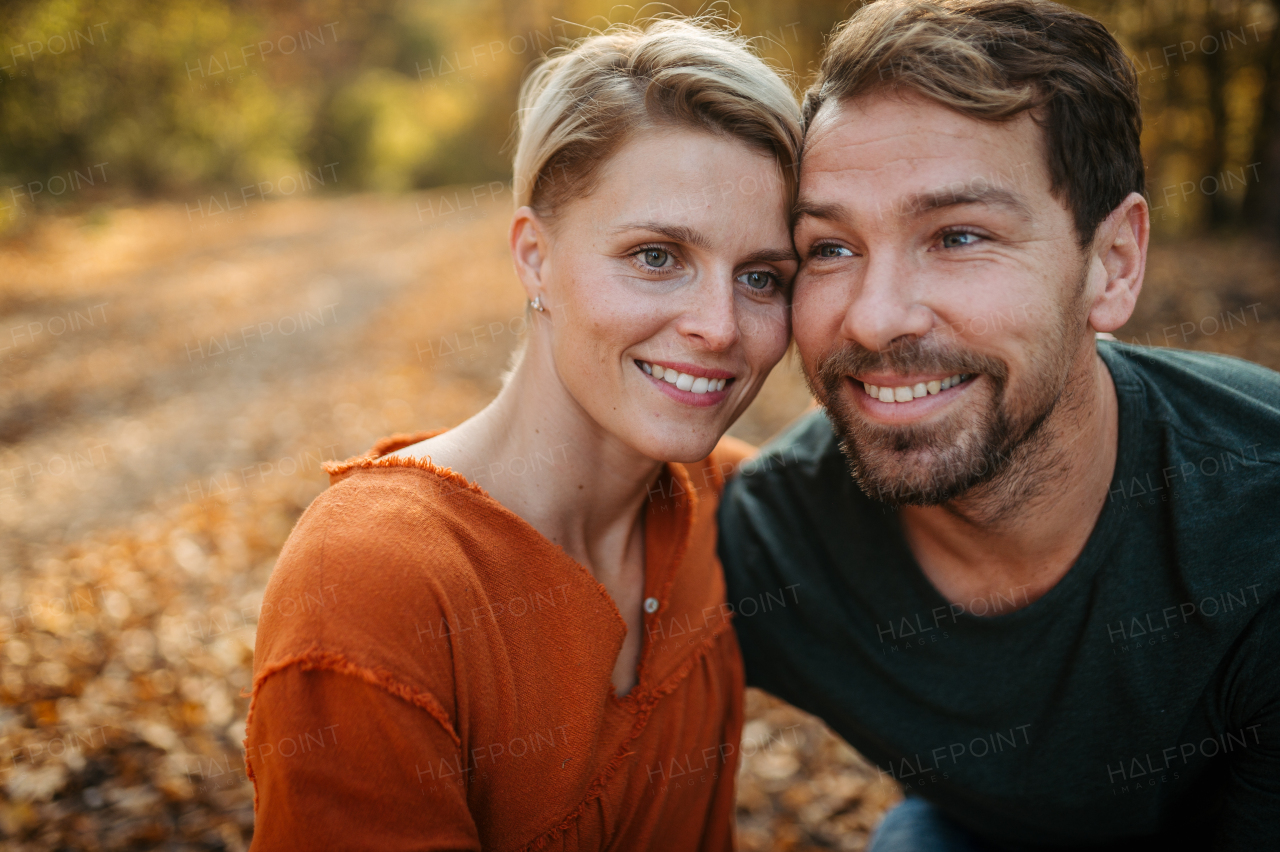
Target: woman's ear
(1121, 250)
(528, 239)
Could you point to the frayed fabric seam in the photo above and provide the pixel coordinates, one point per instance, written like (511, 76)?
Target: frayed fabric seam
(377, 457)
(316, 658)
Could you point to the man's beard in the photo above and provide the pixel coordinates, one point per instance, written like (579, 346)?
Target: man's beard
(1002, 442)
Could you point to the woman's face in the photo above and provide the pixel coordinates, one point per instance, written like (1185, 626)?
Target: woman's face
(678, 265)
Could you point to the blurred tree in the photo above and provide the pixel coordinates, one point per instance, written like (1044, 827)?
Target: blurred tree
(1263, 202)
(177, 97)
(182, 97)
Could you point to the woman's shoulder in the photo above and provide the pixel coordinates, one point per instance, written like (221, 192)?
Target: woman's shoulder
(392, 545)
(383, 508)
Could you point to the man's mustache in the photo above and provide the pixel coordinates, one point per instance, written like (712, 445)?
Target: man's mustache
(908, 356)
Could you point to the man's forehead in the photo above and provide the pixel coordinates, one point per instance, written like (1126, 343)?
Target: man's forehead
(912, 143)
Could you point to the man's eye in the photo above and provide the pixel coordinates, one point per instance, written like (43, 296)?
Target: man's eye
(757, 279)
(656, 258)
(832, 251)
(959, 239)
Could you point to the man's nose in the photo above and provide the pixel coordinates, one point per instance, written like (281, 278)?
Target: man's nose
(884, 304)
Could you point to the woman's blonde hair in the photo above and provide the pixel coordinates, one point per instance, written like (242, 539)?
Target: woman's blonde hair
(578, 107)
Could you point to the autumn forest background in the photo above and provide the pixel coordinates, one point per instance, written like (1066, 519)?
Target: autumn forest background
(241, 238)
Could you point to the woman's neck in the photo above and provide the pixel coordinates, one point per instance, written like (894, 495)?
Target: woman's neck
(543, 457)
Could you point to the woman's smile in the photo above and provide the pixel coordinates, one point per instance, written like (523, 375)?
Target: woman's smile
(689, 384)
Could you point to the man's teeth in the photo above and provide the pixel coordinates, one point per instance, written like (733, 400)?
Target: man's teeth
(683, 381)
(906, 393)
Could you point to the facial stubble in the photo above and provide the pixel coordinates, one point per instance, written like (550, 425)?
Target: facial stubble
(997, 448)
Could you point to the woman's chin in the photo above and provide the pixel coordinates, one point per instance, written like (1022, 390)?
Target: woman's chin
(682, 449)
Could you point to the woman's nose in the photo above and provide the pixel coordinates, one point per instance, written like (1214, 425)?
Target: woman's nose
(710, 318)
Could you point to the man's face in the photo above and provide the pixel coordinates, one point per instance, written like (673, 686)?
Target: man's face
(938, 306)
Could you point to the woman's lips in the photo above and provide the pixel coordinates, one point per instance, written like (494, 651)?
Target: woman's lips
(687, 377)
(704, 389)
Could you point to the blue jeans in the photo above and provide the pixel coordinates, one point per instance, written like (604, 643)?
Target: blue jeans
(917, 826)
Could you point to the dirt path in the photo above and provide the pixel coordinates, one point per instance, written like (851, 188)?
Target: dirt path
(168, 388)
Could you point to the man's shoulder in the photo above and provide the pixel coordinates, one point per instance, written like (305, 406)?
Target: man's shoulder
(799, 480)
(1214, 399)
(1208, 439)
(799, 450)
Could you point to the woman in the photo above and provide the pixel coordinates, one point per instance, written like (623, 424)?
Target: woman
(546, 662)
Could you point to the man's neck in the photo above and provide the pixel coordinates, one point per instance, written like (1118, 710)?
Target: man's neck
(1014, 538)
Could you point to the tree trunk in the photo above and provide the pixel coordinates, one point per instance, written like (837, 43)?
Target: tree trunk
(1262, 202)
(1217, 209)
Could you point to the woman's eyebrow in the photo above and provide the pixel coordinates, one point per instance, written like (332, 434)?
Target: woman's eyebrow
(675, 233)
(688, 236)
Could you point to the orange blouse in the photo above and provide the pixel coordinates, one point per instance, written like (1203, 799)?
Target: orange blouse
(431, 673)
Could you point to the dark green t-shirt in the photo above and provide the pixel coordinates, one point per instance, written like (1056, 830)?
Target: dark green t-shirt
(1137, 703)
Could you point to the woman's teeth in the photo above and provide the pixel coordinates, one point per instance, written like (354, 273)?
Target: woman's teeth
(683, 381)
(906, 393)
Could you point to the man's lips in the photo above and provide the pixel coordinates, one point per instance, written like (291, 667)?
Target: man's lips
(891, 388)
(901, 408)
(896, 379)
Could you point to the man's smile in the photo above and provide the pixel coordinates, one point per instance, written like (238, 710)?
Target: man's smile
(890, 388)
(907, 399)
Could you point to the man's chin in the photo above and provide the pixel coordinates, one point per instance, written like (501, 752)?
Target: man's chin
(916, 465)
(904, 478)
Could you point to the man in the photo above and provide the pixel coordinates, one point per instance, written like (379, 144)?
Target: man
(1031, 574)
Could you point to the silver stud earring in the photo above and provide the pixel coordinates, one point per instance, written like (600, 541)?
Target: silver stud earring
(537, 303)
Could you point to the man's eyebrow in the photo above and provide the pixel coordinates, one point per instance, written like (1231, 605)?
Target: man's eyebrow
(938, 199)
(834, 212)
(922, 202)
(675, 233)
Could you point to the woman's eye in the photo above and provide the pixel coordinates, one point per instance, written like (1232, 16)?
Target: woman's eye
(959, 239)
(655, 258)
(832, 251)
(758, 280)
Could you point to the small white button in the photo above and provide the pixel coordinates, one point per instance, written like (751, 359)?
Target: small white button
(650, 604)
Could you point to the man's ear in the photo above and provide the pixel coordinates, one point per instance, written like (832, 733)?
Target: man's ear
(528, 241)
(1119, 260)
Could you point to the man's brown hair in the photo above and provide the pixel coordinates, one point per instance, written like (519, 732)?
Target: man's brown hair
(994, 60)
